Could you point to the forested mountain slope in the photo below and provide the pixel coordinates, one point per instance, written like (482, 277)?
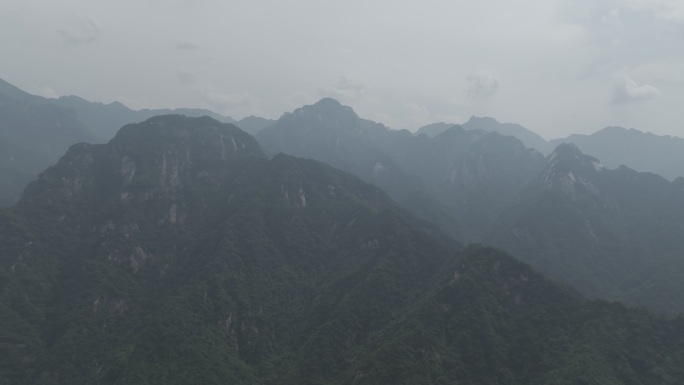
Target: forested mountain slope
(177, 253)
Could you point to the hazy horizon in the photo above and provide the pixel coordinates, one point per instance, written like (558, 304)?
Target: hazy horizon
(556, 67)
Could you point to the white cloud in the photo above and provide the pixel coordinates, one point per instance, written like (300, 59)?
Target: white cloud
(627, 90)
(482, 85)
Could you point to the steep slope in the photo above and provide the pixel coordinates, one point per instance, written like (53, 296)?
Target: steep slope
(606, 232)
(125, 257)
(492, 320)
(332, 133)
(642, 151)
(476, 174)
(35, 131)
(177, 253)
(33, 135)
(448, 179)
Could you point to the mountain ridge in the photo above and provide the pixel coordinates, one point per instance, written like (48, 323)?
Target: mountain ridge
(278, 270)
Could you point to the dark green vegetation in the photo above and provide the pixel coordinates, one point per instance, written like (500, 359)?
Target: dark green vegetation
(177, 253)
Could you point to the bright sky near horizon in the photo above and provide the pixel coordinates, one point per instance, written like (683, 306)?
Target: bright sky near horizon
(554, 66)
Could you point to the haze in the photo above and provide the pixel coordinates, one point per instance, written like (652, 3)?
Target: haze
(556, 67)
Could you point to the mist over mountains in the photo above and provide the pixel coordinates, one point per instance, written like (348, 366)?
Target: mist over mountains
(615, 146)
(609, 233)
(328, 248)
(35, 131)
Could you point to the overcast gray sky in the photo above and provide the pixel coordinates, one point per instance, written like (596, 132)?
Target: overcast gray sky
(554, 66)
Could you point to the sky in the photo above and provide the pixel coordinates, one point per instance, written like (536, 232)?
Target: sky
(554, 66)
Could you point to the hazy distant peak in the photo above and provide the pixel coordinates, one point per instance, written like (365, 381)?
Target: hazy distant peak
(74, 101)
(331, 106)
(434, 129)
(327, 102)
(326, 113)
(569, 156)
(483, 120)
(254, 124)
(614, 129)
(617, 130)
(72, 98)
(529, 138)
(450, 131)
(10, 90)
(491, 124)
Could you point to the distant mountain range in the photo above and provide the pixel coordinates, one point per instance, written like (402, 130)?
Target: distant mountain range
(611, 233)
(179, 253)
(608, 233)
(615, 146)
(35, 131)
(443, 180)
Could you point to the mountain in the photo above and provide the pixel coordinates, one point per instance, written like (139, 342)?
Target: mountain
(33, 134)
(253, 124)
(36, 131)
(447, 179)
(529, 138)
(178, 253)
(121, 236)
(615, 146)
(434, 129)
(105, 119)
(334, 134)
(610, 233)
(476, 174)
(642, 151)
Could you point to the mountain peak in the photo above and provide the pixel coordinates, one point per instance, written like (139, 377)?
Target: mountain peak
(327, 114)
(567, 156)
(613, 129)
(144, 159)
(482, 120)
(571, 170)
(529, 138)
(328, 102)
(332, 107)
